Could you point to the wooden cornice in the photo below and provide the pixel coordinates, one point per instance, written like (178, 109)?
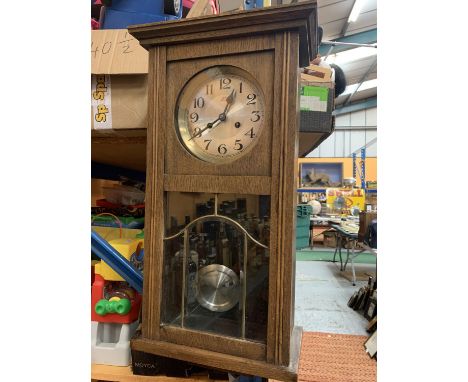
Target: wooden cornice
(301, 17)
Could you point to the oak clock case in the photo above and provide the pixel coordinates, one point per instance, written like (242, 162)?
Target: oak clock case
(220, 201)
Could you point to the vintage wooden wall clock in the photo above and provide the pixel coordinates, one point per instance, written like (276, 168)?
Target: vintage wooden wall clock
(221, 175)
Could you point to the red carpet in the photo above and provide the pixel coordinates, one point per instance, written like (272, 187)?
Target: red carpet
(327, 357)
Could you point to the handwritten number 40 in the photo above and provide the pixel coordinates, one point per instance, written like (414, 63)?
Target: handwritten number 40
(107, 47)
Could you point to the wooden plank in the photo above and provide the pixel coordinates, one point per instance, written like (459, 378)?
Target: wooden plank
(284, 175)
(254, 185)
(246, 31)
(215, 360)
(316, 73)
(125, 374)
(289, 169)
(154, 219)
(127, 153)
(216, 48)
(107, 135)
(122, 148)
(214, 342)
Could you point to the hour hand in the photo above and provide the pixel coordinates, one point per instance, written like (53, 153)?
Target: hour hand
(221, 117)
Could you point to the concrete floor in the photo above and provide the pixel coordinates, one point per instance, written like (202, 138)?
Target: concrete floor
(322, 294)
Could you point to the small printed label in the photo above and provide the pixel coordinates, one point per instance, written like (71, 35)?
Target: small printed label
(101, 101)
(313, 98)
(145, 365)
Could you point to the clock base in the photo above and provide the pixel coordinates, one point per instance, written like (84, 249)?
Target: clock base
(225, 361)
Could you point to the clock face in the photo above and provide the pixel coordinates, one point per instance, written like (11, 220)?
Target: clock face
(220, 114)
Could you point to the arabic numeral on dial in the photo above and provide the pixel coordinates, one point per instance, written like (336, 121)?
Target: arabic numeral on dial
(198, 102)
(194, 117)
(222, 149)
(207, 144)
(225, 83)
(209, 89)
(197, 132)
(255, 117)
(238, 145)
(251, 99)
(240, 87)
(250, 133)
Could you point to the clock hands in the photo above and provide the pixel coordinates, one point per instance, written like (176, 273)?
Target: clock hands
(229, 102)
(221, 117)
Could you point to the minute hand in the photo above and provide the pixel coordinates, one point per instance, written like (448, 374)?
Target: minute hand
(208, 126)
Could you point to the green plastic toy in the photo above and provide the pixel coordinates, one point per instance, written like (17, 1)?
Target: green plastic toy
(121, 307)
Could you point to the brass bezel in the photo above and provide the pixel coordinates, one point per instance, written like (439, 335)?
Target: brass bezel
(181, 112)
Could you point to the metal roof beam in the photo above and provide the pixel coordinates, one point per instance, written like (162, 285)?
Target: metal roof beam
(367, 37)
(368, 144)
(347, 23)
(361, 105)
(371, 67)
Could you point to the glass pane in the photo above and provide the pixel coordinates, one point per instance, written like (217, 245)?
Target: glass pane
(172, 281)
(225, 288)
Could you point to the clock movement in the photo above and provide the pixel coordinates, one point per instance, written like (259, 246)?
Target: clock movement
(220, 196)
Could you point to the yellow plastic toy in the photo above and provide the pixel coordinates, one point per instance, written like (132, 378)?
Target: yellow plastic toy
(126, 247)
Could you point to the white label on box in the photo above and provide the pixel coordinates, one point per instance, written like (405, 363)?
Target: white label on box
(313, 103)
(101, 101)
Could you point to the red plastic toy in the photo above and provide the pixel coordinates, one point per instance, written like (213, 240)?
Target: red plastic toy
(113, 291)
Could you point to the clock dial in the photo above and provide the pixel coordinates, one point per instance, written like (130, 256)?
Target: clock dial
(220, 114)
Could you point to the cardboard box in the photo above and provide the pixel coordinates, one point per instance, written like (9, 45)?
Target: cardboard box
(329, 239)
(311, 80)
(119, 84)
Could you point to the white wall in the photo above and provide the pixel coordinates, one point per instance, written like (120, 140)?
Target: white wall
(352, 131)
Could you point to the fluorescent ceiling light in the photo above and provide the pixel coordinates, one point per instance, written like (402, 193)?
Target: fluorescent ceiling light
(351, 55)
(365, 85)
(357, 6)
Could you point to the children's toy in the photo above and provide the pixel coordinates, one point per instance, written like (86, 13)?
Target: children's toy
(116, 262)
(128, 248)
(114, 302)
(110, 343)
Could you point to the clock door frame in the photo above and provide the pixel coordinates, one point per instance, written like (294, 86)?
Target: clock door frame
(274, 174)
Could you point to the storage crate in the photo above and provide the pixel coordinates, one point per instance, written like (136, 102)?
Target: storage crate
(303, 221)
(318, 121)
(302, 243)
(304, 210)
(315, 126)
(303, 225)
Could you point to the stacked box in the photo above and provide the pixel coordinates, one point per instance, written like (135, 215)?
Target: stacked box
(119, 84)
